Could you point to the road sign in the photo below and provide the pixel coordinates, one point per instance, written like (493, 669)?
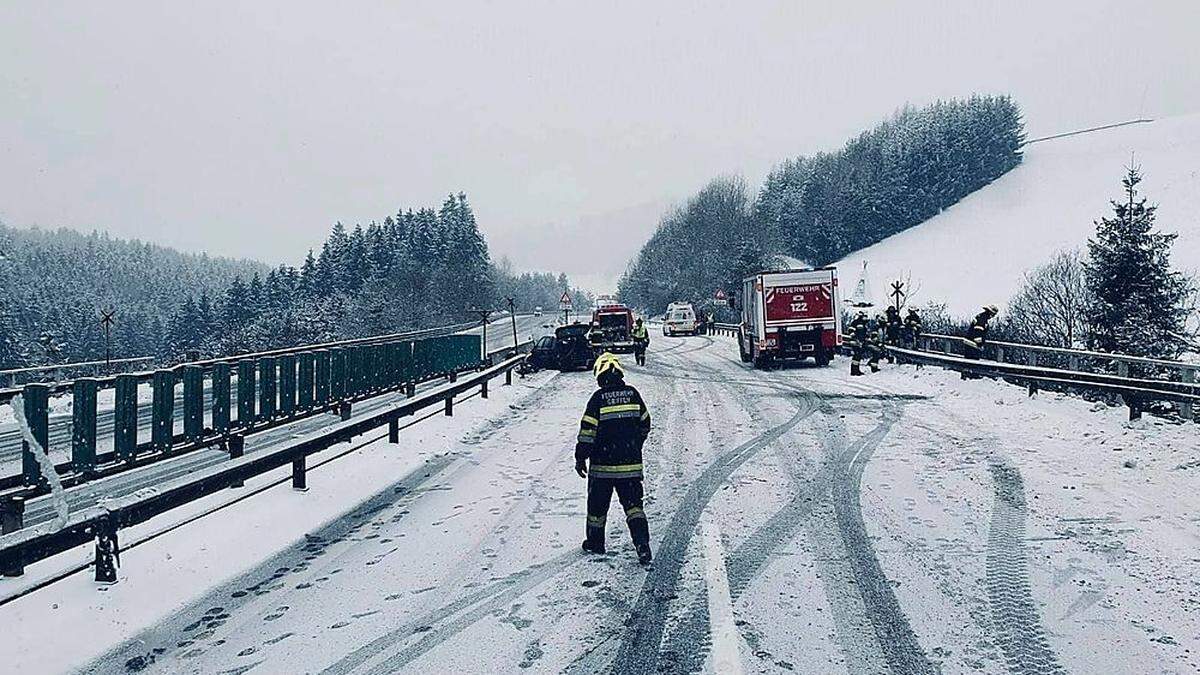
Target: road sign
(565, 301)
(719, 295)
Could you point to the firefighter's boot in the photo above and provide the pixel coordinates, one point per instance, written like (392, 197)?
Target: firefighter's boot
(593, 546)
(874, 367)
(643, 553)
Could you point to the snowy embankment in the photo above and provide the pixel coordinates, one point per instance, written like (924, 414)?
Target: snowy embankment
(977, 251)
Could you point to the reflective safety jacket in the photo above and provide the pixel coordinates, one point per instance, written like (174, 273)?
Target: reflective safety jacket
(640, 334)
(612, 431)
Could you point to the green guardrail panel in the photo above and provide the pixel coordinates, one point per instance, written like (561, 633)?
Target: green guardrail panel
(321, 377)
(287, 384)
(306, 370)
(267, 388)
(36, 406)
(83, 425)
(125, 417)
(193, 402)
(162, 410)
(245, 387)
(220, 397)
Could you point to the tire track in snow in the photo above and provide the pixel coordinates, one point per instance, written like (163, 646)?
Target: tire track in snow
(639, 648)
(1015, 617)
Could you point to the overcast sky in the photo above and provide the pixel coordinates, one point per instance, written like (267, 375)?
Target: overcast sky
(247, 129)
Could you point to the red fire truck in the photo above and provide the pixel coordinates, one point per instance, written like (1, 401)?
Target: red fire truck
(790, 315)
(612, 328)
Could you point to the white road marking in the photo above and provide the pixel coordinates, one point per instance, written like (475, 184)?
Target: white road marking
(726, 657)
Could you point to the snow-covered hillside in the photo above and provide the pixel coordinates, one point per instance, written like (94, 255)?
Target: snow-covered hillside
(977, 251)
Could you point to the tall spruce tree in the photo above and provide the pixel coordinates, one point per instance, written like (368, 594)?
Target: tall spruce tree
(1139, 301)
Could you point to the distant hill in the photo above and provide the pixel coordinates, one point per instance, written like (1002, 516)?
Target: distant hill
(56, 281)
(977, 251)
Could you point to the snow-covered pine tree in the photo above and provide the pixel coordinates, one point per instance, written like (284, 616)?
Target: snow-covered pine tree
(1138, 300)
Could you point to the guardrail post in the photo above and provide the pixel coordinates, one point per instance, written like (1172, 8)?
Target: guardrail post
(125, 417)
(1188, 375)
(299, 479)
(245, 388)
(1073, 362)
(162, 410)
(267, 389)
(394, 431)
(287, 384)
(1000, 353)
(337, 374)
(345, 410)
(508, 376)
(1135, 409)
(1122, 369)
(483, 389)
(306, 363)
(108, 551)
(236, 444)
(1032, 359)
(37, 414)
(220, 397)
(12, 518)
(411, 389)
(83, 426)
(193, 403)
(321, 377)
(449, 406)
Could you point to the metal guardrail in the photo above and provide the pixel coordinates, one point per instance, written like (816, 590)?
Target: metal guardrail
(8, 378)
(729, 329)
(102, 522)
(270, 391)
(1136, 392)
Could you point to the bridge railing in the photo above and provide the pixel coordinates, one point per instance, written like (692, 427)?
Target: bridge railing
(160, 414)
(102, 522)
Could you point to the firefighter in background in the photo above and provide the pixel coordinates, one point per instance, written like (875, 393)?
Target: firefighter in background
(641, 340)
(912, 328)
(977, 332)
(608, 453)
(892, 329)
(865, 334)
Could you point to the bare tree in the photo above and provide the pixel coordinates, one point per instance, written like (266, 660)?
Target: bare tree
(1050, 308)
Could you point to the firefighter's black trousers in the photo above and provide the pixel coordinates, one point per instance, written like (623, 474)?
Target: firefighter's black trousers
(639, 352)
(629, 492)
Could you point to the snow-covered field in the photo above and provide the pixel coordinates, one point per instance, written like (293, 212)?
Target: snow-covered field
(803, 521)
(977, 251)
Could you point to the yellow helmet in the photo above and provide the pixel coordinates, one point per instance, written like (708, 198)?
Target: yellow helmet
(606, 362)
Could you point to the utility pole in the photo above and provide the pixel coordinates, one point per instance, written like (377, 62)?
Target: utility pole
(512, 313)
(106, 321)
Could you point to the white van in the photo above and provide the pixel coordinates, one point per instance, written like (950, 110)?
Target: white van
(680, 318)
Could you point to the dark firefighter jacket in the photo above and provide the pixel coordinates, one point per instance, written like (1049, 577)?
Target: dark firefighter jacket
(913, 322)
(978, 331)
(612, 431)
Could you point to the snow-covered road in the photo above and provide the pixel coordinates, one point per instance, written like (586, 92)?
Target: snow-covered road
(802, 521)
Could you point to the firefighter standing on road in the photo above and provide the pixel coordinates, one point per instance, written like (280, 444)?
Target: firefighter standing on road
(977, 332)
(641, 340)
(609, 455)
(865, 334)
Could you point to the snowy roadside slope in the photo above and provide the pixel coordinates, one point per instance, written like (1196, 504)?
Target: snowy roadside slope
(977, 251)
